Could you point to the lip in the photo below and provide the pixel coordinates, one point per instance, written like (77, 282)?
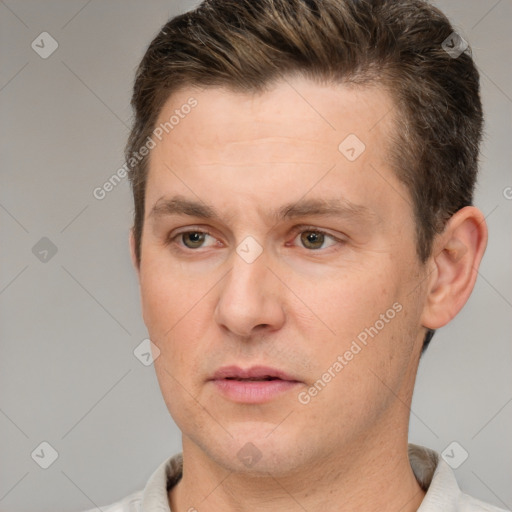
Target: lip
(257, 391)
(253, 372)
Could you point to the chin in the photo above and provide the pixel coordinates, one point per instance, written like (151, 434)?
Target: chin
(254, 452)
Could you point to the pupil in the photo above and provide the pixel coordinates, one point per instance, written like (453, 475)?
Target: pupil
(194, 238)
(314, 238)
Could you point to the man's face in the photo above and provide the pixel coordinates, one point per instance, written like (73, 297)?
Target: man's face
(331, 298)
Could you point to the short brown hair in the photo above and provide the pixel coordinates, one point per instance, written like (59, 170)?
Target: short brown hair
(246, 45)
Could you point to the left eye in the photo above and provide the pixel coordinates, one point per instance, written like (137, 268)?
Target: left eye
(314, 239)
(194, 239)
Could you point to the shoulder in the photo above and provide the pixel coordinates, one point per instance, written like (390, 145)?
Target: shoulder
(154, 494)
(131, 503)
(437, 478)
(470, 504)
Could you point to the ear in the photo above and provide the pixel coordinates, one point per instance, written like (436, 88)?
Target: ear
(135, 263)
(455, 259)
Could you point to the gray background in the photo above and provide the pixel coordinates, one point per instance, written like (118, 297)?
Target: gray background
(69, 325)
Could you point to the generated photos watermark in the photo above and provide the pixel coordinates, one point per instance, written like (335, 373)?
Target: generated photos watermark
(356, 347)
(100, 193)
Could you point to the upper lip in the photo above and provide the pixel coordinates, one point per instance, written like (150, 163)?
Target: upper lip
(253, 372)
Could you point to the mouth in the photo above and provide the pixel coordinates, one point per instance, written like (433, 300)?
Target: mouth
(253, 379)
(256, 385)
(254, 373)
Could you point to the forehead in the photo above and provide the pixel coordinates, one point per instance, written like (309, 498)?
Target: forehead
(296, 113)
(287, 139)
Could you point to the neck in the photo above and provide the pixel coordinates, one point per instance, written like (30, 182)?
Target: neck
(369, 476)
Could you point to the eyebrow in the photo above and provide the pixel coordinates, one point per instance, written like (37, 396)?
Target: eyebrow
(337, 207)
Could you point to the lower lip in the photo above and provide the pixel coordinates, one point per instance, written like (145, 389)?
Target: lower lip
(253, 392)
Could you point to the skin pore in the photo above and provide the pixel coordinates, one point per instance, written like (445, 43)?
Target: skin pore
(337, 236)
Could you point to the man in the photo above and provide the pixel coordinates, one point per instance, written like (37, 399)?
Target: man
(303, 174)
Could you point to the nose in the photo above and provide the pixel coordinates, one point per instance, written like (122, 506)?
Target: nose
(250, 298)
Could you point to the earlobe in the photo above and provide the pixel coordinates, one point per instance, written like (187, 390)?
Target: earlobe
(456, 257)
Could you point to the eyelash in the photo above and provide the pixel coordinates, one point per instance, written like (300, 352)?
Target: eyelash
(298, 230)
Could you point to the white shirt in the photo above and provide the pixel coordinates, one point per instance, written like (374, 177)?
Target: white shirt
(432, 472)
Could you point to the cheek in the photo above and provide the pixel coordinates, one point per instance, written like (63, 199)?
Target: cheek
(355, 302)
(358, 376)
(176, 392)
(373, 319)
(166, 297)
(164, 311)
